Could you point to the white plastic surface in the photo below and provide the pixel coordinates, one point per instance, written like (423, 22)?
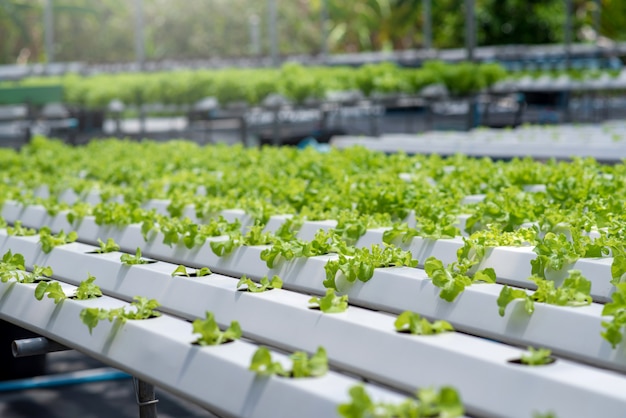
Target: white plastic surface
(391, 289)
(159, 351)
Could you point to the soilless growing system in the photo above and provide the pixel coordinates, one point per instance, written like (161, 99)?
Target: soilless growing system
(276, 281)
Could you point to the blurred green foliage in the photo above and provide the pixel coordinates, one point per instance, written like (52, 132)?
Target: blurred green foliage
(103, 30)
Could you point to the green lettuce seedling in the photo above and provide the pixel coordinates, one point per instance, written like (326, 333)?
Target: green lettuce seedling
(48, 240)
(87, 289)
(443, 403)
(331, 303)
(131, 260)
(302, 364)
(143, 309)
(536, 357)
(182, 271)
(263, 285)
(413, 323)
(107, 247)
(53, 289)
(210, 334)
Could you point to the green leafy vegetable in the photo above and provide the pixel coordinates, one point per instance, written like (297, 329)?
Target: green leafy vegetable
(53, 289)
(210, 334)
(263, 285)
(87, 289)
(614, 329)
(302, 364)
(618, 267)
(182, 271)
(225, 246)
(536, 357)
(544, 415)
(554, 252)
(509, 294)
(331, 303)
(575, 291)
(11, 267)
(204, 271)
(20, 231)
(413, 323)
(305, 366)
(143, 308)
(131, 260)
(453, 279)
(324, 242)
(49, 241)
(107, 247)
(442, 403)
(361, 265)
(263, 365)
(39, 273)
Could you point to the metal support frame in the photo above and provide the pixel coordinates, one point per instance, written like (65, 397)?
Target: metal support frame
(255, 35)
(568, 33)
(146, 399)
(470, 29)
(428, 24)
(324, 29)
(273, 31)
(597, 18)
(144, 392)
(139, 40)
(49, 31)
(276, 137)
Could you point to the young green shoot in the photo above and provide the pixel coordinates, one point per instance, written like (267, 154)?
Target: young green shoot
(53, 289)
(87, 289)
(12, 267)
(443, 403)
(361, 265)
(575, 291)
(614, 329)
(210, 333)
(20, 231)
(131, 260)
(107, 247)
(302, 364)
(181, 271)
(413, 323)
(330, 303)
(263, 285)
(537, 357)
(48, 240)
(143, 308)
(454, 278)
(38, 274)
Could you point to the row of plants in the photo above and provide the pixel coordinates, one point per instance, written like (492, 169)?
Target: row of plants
(578, 214)
(361, 190)
(294, 81)
(447, 403)
(429, 402)
(355, 264)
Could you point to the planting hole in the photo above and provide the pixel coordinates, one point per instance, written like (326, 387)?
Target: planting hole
(548, 361)
(74, 297)
(197, 344)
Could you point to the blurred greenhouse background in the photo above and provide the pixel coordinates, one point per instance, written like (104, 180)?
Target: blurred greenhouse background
(105, 30)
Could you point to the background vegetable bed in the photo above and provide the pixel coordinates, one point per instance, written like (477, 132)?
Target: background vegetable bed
(395, 233)
(252, 86)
